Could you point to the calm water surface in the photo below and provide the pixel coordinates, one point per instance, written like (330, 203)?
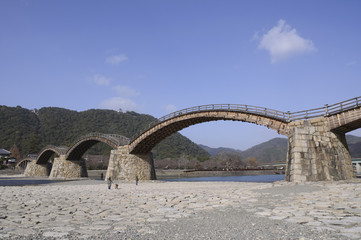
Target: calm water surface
(21, 181)
(252, 178)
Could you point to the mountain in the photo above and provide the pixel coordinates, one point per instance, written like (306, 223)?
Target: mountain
(216, 151)
(33, 130)
(275, 150)
(354, 145)
(351, 139)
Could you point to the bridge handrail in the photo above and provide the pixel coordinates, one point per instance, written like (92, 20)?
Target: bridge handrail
(115, 137)
(327, 110)
(230, 107)
(61, 149)
(279, 115)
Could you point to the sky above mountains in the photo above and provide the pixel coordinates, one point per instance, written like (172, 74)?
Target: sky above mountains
(156, 57)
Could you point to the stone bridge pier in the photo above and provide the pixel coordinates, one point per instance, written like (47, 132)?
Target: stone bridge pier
(63, 168)
(126, 166)
(315, 153)
(60, 168)
(37, 170)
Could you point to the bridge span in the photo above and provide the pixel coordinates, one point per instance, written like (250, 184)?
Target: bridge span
(69, 162)
(317, 148)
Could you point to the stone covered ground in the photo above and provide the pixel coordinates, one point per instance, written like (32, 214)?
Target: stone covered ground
(86, 209)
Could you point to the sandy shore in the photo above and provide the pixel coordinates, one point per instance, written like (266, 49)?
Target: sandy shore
(86, 209)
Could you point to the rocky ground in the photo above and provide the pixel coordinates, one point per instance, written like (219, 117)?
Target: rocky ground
(86, 209)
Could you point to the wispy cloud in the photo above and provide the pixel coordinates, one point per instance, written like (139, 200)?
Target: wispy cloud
(123, 99)
(125, 91)
(101, 80)
(170, 108)
(351, 63)
(117, 103)
(116, 59)
(283, 42)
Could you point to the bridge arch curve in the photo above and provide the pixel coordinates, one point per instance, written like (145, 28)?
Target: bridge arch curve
(23, 163)
(84, 143)
(48, 151)
(176, 121)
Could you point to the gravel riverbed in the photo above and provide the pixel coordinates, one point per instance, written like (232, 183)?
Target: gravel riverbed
(86, 209)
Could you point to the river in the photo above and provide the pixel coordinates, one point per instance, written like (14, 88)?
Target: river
(251, 178)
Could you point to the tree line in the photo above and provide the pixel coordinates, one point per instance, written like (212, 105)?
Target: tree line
(31, 130)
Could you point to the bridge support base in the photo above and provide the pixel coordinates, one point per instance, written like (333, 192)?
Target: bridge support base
(126, 166)
(37, 170)
(317, 154)
(68, 169)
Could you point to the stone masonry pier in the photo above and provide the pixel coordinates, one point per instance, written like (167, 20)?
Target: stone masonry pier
(127, 166)
(317, 154)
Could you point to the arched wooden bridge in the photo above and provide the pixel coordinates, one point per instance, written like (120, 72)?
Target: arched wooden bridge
(343, 117)
(338, 118)
(80, 146)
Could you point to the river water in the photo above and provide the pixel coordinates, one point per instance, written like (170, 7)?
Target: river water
(251, 178)
(23, 181)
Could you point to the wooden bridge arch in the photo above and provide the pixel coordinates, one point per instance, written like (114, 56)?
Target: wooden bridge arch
(85, 142)
(48, 151)
(176, 121)
(342, 117)
(23, 163)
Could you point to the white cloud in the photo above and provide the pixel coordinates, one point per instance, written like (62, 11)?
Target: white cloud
(116, 59)
(125, 91)
(283, 42)
(117, 103)
(170, 108)
(101, 80)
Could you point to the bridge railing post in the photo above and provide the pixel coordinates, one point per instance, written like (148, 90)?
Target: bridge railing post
(326, 110)
(288, 116)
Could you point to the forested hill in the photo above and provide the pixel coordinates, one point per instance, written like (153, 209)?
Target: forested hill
(32, 131)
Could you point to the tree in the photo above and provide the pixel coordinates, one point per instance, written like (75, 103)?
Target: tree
(15, 153)
(252, 161)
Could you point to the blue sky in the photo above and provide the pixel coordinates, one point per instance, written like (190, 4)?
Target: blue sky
(155, 57)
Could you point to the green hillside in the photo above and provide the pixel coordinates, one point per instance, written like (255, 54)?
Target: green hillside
(275, 150)
(32, 131)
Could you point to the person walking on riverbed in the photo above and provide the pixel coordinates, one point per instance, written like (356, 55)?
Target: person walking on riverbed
(109, 182)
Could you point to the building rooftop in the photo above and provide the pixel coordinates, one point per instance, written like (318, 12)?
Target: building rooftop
(4, 152)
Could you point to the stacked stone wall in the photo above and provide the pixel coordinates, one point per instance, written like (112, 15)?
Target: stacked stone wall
(316, 154)
(36, 170)
(126, 166)
(66, 169)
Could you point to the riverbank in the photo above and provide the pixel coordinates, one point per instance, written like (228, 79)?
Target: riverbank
(86, 209)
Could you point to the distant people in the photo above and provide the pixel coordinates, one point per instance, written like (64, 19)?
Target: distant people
(109, 182)
(101, 176)
(136, 180)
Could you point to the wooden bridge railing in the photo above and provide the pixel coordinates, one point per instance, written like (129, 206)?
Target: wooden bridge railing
(327, 110)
